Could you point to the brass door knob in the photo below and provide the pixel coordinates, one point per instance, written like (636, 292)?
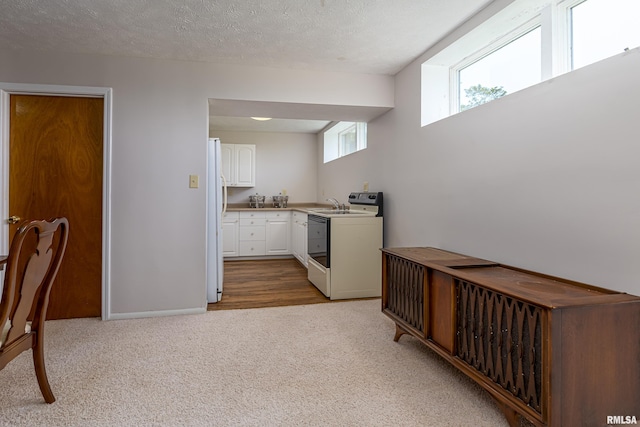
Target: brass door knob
(13, 219)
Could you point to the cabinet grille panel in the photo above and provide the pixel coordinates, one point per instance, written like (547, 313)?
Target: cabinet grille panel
(501, 338)
(406, 291)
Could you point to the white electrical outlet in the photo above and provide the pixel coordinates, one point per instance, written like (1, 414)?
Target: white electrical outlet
(193, 181)
(366, 186)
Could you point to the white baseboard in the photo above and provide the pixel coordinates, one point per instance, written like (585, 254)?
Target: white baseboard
(143, 314)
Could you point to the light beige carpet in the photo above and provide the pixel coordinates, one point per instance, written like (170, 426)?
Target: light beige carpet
(314, 365)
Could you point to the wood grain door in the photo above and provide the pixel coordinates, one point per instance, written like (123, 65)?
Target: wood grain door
(56, 169)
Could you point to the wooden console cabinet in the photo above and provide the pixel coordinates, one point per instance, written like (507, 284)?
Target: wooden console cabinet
(552, 351)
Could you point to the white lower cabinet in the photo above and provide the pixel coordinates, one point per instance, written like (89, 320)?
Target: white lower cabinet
(278, 231)
(230, 223)
(265, 233)
(299, 236)
(252, 234)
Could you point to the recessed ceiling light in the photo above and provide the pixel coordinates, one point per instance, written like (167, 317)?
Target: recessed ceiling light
(262, 119)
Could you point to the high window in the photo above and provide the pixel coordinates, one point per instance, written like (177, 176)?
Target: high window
(344, 138)
(603, 28)
(508, 69)
(521, 45)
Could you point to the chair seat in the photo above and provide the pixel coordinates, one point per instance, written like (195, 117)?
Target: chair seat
(7, 326)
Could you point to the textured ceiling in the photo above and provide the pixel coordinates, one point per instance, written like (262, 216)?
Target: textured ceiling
(233, 115)
(353, 36)
(360, 36)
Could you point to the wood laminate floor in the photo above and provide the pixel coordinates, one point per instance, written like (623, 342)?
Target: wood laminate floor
(266, 283)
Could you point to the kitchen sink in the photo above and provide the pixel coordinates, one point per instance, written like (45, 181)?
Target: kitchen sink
(338, 212)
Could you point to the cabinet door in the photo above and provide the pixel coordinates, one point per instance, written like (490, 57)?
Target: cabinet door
(230, 238)
(296, 237)
(245, 165)
(300, 239)
(227, 163)
(278, 237)
(441, 310)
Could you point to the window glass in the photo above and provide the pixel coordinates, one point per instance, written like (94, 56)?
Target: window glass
(344, 138)
(348, 141)
(514, 66)
(603, 28)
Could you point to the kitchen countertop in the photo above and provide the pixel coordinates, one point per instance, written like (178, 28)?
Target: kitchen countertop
(304, 207)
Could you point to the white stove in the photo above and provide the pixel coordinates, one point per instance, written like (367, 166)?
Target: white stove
(359, 204)
(344, 248)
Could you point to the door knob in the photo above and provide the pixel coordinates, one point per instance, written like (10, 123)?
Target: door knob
(13, 219)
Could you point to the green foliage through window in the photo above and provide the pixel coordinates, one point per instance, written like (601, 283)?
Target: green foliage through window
(478, 95)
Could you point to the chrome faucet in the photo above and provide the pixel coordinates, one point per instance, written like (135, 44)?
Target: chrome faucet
(336, 204)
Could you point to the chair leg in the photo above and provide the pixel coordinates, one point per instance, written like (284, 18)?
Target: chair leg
(41, 373)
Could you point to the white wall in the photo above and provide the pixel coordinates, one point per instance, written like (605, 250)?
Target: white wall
(545, 179)
(160, 132)
(284, 161)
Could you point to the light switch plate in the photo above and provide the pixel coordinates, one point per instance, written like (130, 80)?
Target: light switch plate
(193, 181)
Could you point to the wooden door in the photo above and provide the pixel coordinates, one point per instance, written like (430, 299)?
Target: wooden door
(55, 169)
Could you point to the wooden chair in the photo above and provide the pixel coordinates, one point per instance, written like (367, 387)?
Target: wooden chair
(34, 257)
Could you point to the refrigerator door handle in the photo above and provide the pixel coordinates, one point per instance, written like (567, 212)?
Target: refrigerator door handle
(224, 193)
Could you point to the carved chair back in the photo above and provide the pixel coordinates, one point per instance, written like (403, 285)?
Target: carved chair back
(34, 258)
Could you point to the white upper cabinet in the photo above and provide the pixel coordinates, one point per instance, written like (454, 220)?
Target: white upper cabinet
(245, 165)
(238, 163)
(227, 163)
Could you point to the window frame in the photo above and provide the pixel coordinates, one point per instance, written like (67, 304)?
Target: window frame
(567, 9)
(479, 55)
(332, 139)
(478, 38)
(341, 143)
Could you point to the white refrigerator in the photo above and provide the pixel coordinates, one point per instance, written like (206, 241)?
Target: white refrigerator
(216, 206)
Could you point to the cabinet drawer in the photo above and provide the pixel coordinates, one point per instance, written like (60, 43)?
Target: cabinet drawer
(252, 233)
(230, 216)
(250, 214)
(283, 215)
(247, 222)
(252, 248)
(299, 216)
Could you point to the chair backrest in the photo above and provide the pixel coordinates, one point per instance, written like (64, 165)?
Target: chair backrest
(34, 258)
